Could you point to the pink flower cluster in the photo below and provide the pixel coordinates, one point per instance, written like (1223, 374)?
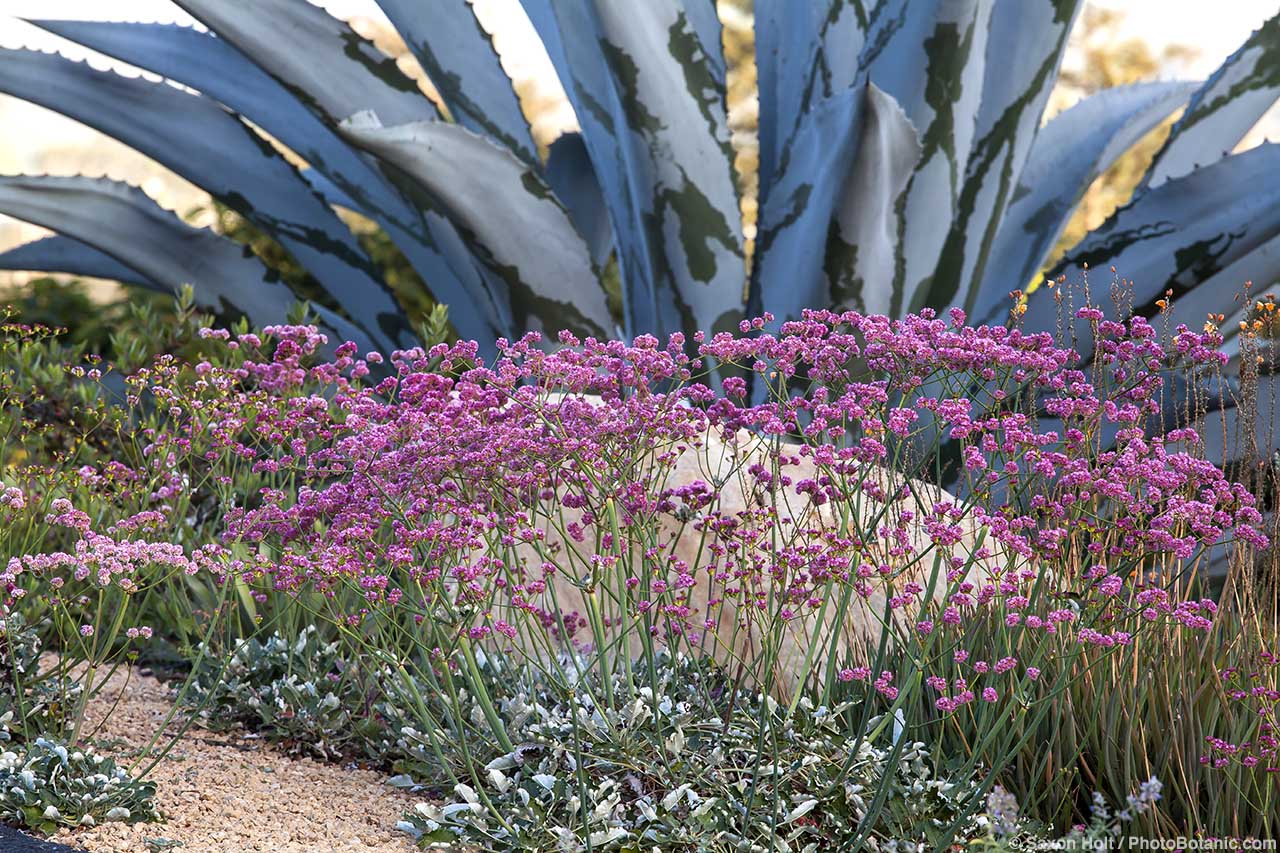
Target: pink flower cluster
(1255, 690)
(427, 488)
(12, 498)
(457, 491)
(101, 559)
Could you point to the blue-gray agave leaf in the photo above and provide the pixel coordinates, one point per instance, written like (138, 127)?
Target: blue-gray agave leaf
(1216, 294)
(61, 254)
(931, 57)
(651, 105)
(212, 66)
(1181, 233)
(705, 21)
(126, 224)
(1225, 108)
(1024, 50)
(805, 54)
(333, 194)
(571, 176)
(337, 74)
(459, 57)
(780, 37)
(316, 56)
(1069, 153)
(214, 150)
(827, 231)
(507, 212)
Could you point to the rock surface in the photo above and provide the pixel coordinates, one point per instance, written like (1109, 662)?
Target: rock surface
(738, 634)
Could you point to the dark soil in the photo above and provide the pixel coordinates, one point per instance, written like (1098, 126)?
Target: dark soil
(14, 841)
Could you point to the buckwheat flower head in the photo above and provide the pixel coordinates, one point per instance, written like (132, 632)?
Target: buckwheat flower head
(13, 498)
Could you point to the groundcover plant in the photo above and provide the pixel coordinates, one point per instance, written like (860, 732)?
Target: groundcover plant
(581, 597)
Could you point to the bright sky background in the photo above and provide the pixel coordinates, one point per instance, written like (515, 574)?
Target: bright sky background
(1215, 28)
(505, 17)
(26, 132)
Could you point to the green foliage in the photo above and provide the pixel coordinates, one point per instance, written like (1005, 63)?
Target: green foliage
(296, 691)
(44, 782)
(73, 430)
(62, 393)
(318, 696)
(671, 772)
(34, 700)
(90, 323)
(47, 416)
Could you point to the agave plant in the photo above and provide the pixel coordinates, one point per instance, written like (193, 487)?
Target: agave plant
(902, 164)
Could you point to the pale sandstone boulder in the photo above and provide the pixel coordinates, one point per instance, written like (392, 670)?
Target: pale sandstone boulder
(738, 636)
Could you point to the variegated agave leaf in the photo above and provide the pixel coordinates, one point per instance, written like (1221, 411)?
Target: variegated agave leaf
(333, 194)
(62, 254)
(705, 21)
(214, 150)
(212, 66)
(1205, 269)
(319, 58)
(805, 54)
(1182, 233)
(931, 58)
(337, 73)
(826, 229)
(788, 38)
(1069, 153)
(571, 176)
(650, 101)
(124, 223)
(1024, 51)
(508, 214)
(459, 58)
(1225, 108)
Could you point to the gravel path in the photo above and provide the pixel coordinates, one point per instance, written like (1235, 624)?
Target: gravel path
(227, 793)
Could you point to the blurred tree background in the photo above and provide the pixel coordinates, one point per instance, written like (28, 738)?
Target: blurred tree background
(1100, 59)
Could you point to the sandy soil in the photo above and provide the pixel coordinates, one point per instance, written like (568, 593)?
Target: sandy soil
(229, 793)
